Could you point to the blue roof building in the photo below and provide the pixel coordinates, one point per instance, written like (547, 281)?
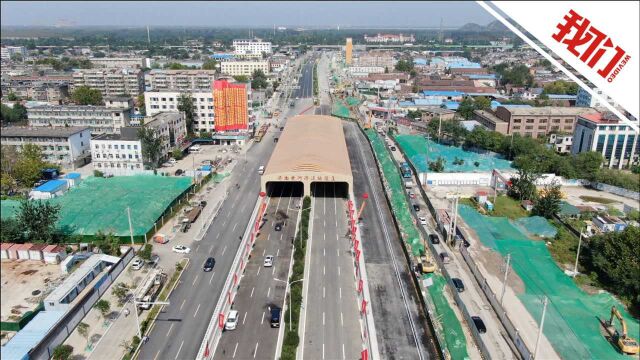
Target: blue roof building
(451, 105)
(222, 56)
(26, 339)
(51, 186)
(428, 102)
(482, 76)
(562, 97)
(419, 61)
(444, 93)
(495, 104)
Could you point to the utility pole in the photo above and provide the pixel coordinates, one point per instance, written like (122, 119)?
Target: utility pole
(455, 218)
(575, 267)
(544, 312)
(504, 282)
(148, 36)
(130, 228)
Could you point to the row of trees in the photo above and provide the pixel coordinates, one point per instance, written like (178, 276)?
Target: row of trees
(15, 114)
(23, 169)
(517, 75)
(65, 63)
(35, 221)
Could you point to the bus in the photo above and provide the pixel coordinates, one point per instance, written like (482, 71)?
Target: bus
(406, 170)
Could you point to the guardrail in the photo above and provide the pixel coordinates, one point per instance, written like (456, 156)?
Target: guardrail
(230, 289)
(368, 331)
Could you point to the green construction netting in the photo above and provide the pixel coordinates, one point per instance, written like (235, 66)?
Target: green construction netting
(8, 208)
(420, 151)
(340, 110)
(537, 226)
(352, 101)
(571, 323)
(454, 337)
(217, 178)
(453, 334)
(99, 204)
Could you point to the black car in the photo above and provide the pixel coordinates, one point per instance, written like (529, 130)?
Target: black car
(275, 317)
(465, 243)
(203, 203)
(434, 239)
(281, 128)
(209, 264)
(416, 207)
(479, 324)
(178, 172)
(458, 284)
(278, 226)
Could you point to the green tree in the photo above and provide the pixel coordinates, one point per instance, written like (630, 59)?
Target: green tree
(176, 154)
(588, 164)
(404, 65)
(145, 253)
(17, 113)
(37, 220)
(258, 79)
(28, 168)
(241, 78)
(121, 292)
(523, 186)
(104, 307)
(151, 146)
(613, 257)
(186, 105)
(141, 105)
(62, 352)
(548, 203)
(85, 95)
(209, 65)
(12, 97)
(83, 330)
(466, 108)
(99, 54)
(438, 165)
(175, 66)
(11, 231)
(108, 243)
(482, 103)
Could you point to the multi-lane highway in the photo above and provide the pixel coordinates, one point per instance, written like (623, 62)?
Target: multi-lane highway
(259, 292)
(179, 329)
(401, 325)
(331, 329)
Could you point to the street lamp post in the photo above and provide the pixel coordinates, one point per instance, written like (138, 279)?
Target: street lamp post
(288, 288)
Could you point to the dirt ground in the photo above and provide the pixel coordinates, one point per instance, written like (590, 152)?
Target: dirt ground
(20, 282)
(573, 194)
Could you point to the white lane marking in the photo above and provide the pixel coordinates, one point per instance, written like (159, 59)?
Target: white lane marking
(244, 317)
(236, 348)
(323, 292)
(278, 252)
(340, 293)
(180, 348)
(338, 251)
(338, 270)
(155, 357)
(169, 332)
(324, 270)
(217, 236)
(262, 321)
(323, 350)
(210, 280)
(341, 319)
(324, 236)
(252, 292)
(323, 318)
(258, 271)
(268, 237)
(196, 279)
(234, 227)
(223, 250)
(211, 249)
(264, 251)
(281, 235)
(268, 292)
(197, 247)
(183, 301)
(343, 353)
(196, 313)
(274, 271)
(324, 252)
(255, 351)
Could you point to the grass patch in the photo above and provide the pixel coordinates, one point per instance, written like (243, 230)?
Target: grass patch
(598, 199)
(504, 207)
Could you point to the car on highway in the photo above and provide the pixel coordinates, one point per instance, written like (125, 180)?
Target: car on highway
(275, 317)
(434, 239)
(137, 264)
(232, 320)
(479, 324)
(393, 148)
(458, 284)
(416, 207)
(445, 257)
(278, 226)
(209, 264)
(181, 249)
(268, 261)
(423, 221)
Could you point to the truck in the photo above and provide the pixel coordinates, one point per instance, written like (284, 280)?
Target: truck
(193, 214)
(150, 289)
(408, 184)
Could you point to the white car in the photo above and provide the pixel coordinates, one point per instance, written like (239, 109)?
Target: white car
(137, 264)
(172, 161)
(232, 320)
(181, 249)
(268, 261)
(423, 221)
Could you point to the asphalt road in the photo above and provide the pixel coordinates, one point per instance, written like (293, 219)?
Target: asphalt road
(180, 327)
(254, 338)
(401, 324)
(332, 328)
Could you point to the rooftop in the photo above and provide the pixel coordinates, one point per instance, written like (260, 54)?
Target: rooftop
(124, 136)
(24, 131)
(549, 110)
(488, 115)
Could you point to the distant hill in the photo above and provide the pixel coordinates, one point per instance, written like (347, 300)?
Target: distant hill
(494, 26)
(472, 27)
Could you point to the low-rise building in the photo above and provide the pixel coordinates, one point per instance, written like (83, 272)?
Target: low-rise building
(490, 121)
(7, 52)
(389, 38)
(248, 46)
(160, 101)
(116, 154)
(584, 99)
(107, 119)
(244, 67)
(64, 146)
(604, 133)
(52, 93)
(364, 71)
(540, 121)
(561, 143)
(180, 80)
(119, 62)
(437, 113)
(111, 82)
(608, 223)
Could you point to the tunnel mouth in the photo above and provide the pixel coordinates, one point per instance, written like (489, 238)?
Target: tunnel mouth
(285, 189)
(330, 189)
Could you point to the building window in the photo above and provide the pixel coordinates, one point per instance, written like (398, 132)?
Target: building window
(518, 121)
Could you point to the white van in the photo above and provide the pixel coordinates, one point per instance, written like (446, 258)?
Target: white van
(195, 149)
(261, 170)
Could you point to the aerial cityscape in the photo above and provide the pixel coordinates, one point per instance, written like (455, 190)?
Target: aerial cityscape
(308, 180)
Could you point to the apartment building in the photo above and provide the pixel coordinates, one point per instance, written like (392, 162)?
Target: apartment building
(111, 82)
(119, 62)
(160, 101)
(540, 121)
(180, 80)
(244, 67)
(257, 46)
(172, 129)
(584, 99)
(117, 154)
(491, 122)
(389, 38)
(382, 59)
(52, 93)
(107, 119)
(65, 146)
(604, 133)
(7, 52)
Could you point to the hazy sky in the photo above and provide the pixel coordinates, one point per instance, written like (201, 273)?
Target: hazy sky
(243, 13)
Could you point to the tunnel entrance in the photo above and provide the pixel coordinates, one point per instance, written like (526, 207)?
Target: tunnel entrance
(285, 189)
(330, 189)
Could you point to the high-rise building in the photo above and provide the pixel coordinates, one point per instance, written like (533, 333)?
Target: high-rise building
(230, 106)
(255, 46)
(604, 133)
(180, 80)
(348, 51)
(110, 82)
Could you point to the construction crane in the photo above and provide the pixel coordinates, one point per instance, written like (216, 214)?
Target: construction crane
(626, 344)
